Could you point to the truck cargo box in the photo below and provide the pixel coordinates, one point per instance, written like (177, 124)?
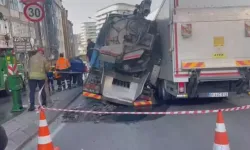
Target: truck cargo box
(212, 36)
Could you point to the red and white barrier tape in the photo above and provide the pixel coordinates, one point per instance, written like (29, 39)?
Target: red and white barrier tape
(154, 113)
(188, 112)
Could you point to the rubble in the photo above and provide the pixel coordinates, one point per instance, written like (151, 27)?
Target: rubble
(79, 117)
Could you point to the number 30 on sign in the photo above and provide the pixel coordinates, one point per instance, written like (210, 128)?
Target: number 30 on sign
(34, 12)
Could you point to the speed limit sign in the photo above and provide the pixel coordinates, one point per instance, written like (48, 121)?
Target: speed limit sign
(34, 12)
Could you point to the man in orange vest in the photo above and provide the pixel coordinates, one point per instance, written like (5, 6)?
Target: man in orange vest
(63, 67)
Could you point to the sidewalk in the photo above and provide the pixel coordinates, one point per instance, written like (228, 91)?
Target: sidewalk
(24, 127)
(6, 106)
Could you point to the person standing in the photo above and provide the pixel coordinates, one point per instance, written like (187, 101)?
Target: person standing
(77, 67)
(57, 77)
(63, 67)
(90, 50)
(50, 77)
(38, 67)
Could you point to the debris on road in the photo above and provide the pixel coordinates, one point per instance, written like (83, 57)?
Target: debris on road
(79, 117)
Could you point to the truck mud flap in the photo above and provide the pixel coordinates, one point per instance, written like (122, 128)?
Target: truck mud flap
(193, 83)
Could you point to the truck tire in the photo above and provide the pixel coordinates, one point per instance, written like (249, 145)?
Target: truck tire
(159, 93)
(163, 95)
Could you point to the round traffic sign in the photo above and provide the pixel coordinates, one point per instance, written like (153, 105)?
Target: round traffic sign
(34, 12)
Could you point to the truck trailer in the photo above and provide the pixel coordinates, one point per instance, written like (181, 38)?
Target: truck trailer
(192, 49)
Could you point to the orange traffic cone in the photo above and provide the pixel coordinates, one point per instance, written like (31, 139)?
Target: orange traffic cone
(44, 139)
(221, 141)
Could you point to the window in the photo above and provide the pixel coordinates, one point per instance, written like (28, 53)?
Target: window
(2, 2)
(21, 6)
(14, 4)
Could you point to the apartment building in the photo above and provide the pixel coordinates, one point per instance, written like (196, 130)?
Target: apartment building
(88, 31)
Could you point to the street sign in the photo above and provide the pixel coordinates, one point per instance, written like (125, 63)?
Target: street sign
(34, 12)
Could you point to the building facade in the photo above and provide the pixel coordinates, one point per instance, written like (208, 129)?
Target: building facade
(22, 32)
(5, 28)
(26, 36)
(60, 35)
(68, 34)
(52, 28)
(77, 44)
(118, 8)
(88, 31)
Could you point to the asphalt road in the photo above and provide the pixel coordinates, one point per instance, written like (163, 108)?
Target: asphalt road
(147, 132)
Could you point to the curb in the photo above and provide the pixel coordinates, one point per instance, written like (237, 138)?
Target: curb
(51, 117)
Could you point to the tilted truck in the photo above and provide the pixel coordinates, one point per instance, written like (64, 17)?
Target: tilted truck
(200, 48)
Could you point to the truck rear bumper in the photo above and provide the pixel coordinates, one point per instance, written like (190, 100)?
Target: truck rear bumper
(137, 103)
(142, 102)
(209, 95)
(214, 95)
(117, 101)
(213, 89)
(92, 95)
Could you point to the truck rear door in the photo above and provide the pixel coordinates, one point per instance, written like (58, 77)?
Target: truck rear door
(212, 35)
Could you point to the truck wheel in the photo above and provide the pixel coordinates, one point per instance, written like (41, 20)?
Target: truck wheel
(162, 93)
(159, 91)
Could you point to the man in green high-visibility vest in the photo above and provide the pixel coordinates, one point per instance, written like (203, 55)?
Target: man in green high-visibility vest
(38, 68)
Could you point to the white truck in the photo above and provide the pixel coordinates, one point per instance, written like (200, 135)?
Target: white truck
(200, 49)
(205, 46)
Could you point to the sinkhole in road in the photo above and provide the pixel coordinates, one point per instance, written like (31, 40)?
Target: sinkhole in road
(108, 107)
(126, 119)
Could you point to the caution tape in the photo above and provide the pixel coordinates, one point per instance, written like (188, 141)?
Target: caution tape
(187, 112)
(154, 113)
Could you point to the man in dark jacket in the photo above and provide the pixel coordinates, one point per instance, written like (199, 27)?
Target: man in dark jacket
(90, 47)
(77, 68)
(3, 138)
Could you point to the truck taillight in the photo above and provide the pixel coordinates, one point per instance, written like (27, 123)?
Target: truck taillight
(181, 87)
(186, 30)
